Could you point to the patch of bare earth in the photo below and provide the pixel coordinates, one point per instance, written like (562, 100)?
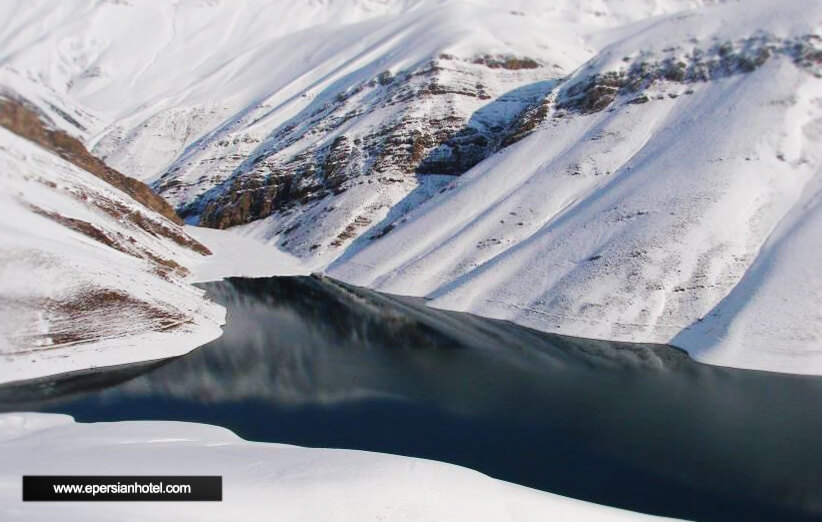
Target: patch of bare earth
(162, 266)
(91, 315)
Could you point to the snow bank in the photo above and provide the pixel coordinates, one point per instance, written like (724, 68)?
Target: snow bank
(260, 481)
(235, 255)
(52, 273)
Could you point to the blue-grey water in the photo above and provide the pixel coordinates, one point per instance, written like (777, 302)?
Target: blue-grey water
(315, 363)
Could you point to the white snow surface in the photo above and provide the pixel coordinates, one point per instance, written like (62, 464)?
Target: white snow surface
(130, 60)
(196, 87)
(235, 255)
(257, 63)
(260, 481)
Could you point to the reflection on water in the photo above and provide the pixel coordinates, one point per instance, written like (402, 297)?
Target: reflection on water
(316, 363)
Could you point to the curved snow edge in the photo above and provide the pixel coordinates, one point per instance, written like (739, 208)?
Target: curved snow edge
(261, 479)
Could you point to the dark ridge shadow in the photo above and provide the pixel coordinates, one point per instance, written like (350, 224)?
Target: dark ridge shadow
(486, 131)
(461, 153)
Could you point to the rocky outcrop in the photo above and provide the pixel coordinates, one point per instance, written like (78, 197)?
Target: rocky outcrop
(528, 121)
(512, 63)
(441, 118)
(598, 91)
(25, 120)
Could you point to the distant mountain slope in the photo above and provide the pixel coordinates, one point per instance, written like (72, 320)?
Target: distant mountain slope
(88, 276)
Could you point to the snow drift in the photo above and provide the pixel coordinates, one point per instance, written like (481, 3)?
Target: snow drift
(260, 480)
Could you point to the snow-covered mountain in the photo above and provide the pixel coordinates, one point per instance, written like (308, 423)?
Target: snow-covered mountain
(235, 113)
(639, 170)
(670, 195)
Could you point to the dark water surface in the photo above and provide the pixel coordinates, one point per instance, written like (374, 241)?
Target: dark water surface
(315, 363)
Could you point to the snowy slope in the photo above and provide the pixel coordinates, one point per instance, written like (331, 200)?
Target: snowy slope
(86, 50)
(771, 319)
(237, 256)
(260, 481)
(653, 204)
(156, 98)
(238, 123)
(88, 276)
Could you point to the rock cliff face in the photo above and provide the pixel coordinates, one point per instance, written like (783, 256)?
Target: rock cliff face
(440, 118)
(444, 117)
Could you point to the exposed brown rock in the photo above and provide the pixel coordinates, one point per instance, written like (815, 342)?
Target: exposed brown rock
(409, 144)
(512, 63)
(527, 122)
(724, 59)
(163, 267)
(83, 227)
(24, 119)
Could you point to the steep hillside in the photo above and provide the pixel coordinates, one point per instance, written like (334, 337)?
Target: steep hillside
(88, 276)
(26, 120)
(669, 196)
